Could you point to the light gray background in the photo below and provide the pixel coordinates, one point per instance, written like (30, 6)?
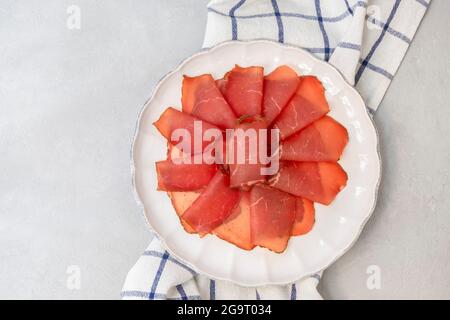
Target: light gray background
(69, 100)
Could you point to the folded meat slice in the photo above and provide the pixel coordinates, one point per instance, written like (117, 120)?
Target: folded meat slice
(243, 90)
(191, 126)
(181, 201)
(183, 177)
(316, 181)
(307, 105)
(322, 140)
(272, 214)
(214, 205)
(222, 83)
(304, 216)
(243, 153)
(236, 229)
(202, 98)
(279, 87)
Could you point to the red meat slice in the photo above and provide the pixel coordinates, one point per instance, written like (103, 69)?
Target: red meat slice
(214, 205)
(316, 181)
(279, 87)
(222, 83)
(202, 98)
(179, 157)
(243, 90)
(181, 201)
(304, 217)
(272, 214)
(172, 119)
(323, 140)
(176, 155)
(307, 105)
(236, 229)
(183, 177)
(246, 171)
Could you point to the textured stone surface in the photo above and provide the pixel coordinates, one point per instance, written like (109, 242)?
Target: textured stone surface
(69, 100)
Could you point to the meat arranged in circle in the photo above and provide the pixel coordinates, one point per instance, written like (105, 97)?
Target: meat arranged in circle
(272, 215)
(183, 177)
(279, 86)
(214, 205)
(323, 140)
(243, 89)
(306, 106)
(316, 181)
(176, 126)
(234, 198)
(243, 153)
(202, 98)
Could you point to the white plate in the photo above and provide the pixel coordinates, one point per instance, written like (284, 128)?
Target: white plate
(337, 226)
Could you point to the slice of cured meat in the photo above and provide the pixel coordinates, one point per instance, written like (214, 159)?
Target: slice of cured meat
(222, 83)
(243, 153)
(181, 201)
(272, 214)
(322, 140)
(307, 105)
(279, 87)
(183, 177)
(192, 128)
(176, 155)
(236, 229)
(214, 205)
(208, 157)
(304, 216)
(243, 90)
(316, 181)
(202, 98)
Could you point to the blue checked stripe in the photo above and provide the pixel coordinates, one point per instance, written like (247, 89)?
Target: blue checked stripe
(424, 3)
(366, 61)
(356, 47)
(152, 293)
(393, 32)
(361, 4)
(337, 18)
(316, 50)
(212, 289)
(326, 42)
(160, 255)
(293, 292)
(181, 291)
(141, 294)
(233, 19)
(276, 11)
(379, 70)
(144, 294)
(350, 10)
(348, 45)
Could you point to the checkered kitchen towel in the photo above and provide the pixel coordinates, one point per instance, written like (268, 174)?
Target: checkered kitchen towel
(157, 275)
(365, 39)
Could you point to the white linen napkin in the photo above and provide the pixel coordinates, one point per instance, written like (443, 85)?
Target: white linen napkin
(157, 275)
(365, 40)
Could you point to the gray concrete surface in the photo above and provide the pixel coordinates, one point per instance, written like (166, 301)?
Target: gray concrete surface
(68, 104)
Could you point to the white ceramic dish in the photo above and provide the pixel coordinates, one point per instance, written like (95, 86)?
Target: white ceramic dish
(337, 226)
